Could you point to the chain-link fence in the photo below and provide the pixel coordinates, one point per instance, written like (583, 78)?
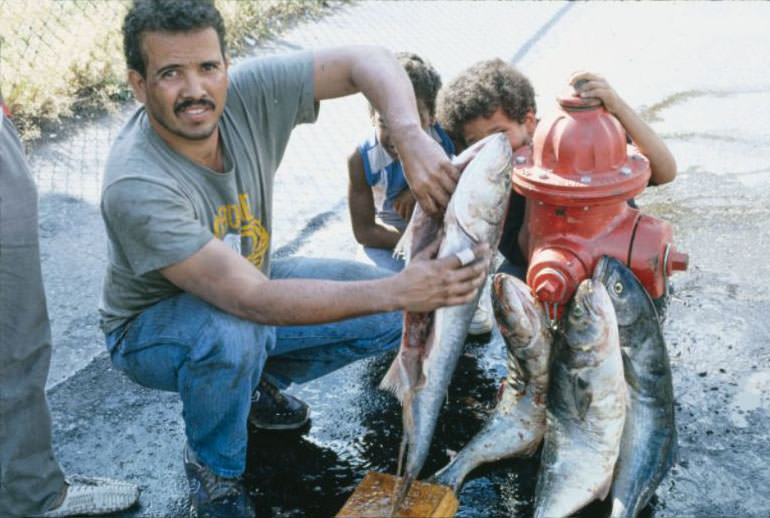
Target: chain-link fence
(59, 56)
(64, 57)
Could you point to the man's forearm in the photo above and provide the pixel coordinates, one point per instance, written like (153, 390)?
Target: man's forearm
(386, 85)
(312, 301)
(228, 281)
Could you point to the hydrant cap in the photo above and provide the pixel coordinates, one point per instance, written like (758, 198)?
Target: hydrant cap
(582, 139)
(575, 103)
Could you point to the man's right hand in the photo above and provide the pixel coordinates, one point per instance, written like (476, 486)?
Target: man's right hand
(432, 177)
(428, 283)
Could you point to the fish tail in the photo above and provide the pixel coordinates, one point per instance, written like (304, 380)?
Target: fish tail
(408, 427)
(400, 490)
(399, 496)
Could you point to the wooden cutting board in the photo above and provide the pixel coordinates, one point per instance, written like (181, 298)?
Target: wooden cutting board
(373, 499)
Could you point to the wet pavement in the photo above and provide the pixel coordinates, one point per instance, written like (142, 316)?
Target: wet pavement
(693, 69)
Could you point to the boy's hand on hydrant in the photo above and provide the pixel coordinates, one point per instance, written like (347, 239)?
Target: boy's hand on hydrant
(588, 84)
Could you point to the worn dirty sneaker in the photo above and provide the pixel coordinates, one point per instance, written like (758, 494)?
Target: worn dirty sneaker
(212, 495)
(271, 409)
(483, 318)
(91, 495)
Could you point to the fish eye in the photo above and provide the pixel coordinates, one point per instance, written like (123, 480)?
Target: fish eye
(618, 287)
(577, 311)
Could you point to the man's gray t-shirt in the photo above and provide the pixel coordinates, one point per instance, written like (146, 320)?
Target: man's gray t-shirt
(159, 207)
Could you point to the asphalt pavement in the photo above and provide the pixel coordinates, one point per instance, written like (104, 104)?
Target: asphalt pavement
(697, 71)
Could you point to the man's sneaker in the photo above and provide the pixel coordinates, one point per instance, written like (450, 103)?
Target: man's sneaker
(483, 318)
(212, 495)
(92, 495)
(273, 410)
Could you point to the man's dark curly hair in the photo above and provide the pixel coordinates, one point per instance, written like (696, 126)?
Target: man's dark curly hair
(424, 78)
(479, 91)
(167, 16)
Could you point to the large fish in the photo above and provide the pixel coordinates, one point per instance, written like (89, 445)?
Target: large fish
(648, 447)
(432, 342)
(517, 425)
(586, 407)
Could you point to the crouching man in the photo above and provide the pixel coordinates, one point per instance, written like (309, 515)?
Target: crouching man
(192, 302)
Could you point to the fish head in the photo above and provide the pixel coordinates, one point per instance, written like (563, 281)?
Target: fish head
(589, 322)
(514, 309)
(629, 298)
(481, 198)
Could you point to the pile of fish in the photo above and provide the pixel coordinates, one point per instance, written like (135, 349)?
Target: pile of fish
(600, 396)
(432, 342)
(596, 394)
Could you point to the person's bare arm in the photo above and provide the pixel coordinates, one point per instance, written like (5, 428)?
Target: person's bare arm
(662, 163)
(403, 204)
(361, 205)
(225, 279)
(374, 72)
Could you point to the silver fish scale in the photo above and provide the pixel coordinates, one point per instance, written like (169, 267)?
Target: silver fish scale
(487, 178)
(648, 445)
(517, 424)
(582, 437)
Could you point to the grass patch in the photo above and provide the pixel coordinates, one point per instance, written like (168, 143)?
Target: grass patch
(60, 58)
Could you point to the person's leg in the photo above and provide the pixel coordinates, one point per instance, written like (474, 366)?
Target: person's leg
(31, 477)
(383, 258)
(211, 358)
(303, 353)
(31, 480)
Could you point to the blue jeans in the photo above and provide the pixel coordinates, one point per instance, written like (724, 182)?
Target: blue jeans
(215, 360)
(383, 257)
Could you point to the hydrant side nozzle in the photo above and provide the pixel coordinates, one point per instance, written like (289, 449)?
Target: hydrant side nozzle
(677, 261)
(547, 290)
(550, 286)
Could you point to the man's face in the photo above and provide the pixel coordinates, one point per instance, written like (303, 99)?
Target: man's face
(186, 82)
(518, 133)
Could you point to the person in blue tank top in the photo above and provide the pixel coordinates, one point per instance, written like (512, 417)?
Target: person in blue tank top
(379, 198)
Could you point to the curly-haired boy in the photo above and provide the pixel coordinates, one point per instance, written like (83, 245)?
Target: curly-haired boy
(492, 96)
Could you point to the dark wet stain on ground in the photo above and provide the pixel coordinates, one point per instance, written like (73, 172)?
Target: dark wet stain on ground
(653, 113)
(295, 474)
(107, 425)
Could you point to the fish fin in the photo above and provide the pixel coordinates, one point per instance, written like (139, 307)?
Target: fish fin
(404, 374)
(629, 371)
(395, 380)
(583, 395)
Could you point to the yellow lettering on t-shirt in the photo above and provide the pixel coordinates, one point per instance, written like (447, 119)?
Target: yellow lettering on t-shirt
(239, 217)
(220, 222)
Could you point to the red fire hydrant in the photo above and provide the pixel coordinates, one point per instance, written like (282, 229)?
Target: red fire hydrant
(577, 178)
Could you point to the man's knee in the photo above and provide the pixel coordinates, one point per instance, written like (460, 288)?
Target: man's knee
(234, 342)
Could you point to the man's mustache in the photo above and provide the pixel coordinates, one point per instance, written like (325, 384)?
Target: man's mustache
(192, 102)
